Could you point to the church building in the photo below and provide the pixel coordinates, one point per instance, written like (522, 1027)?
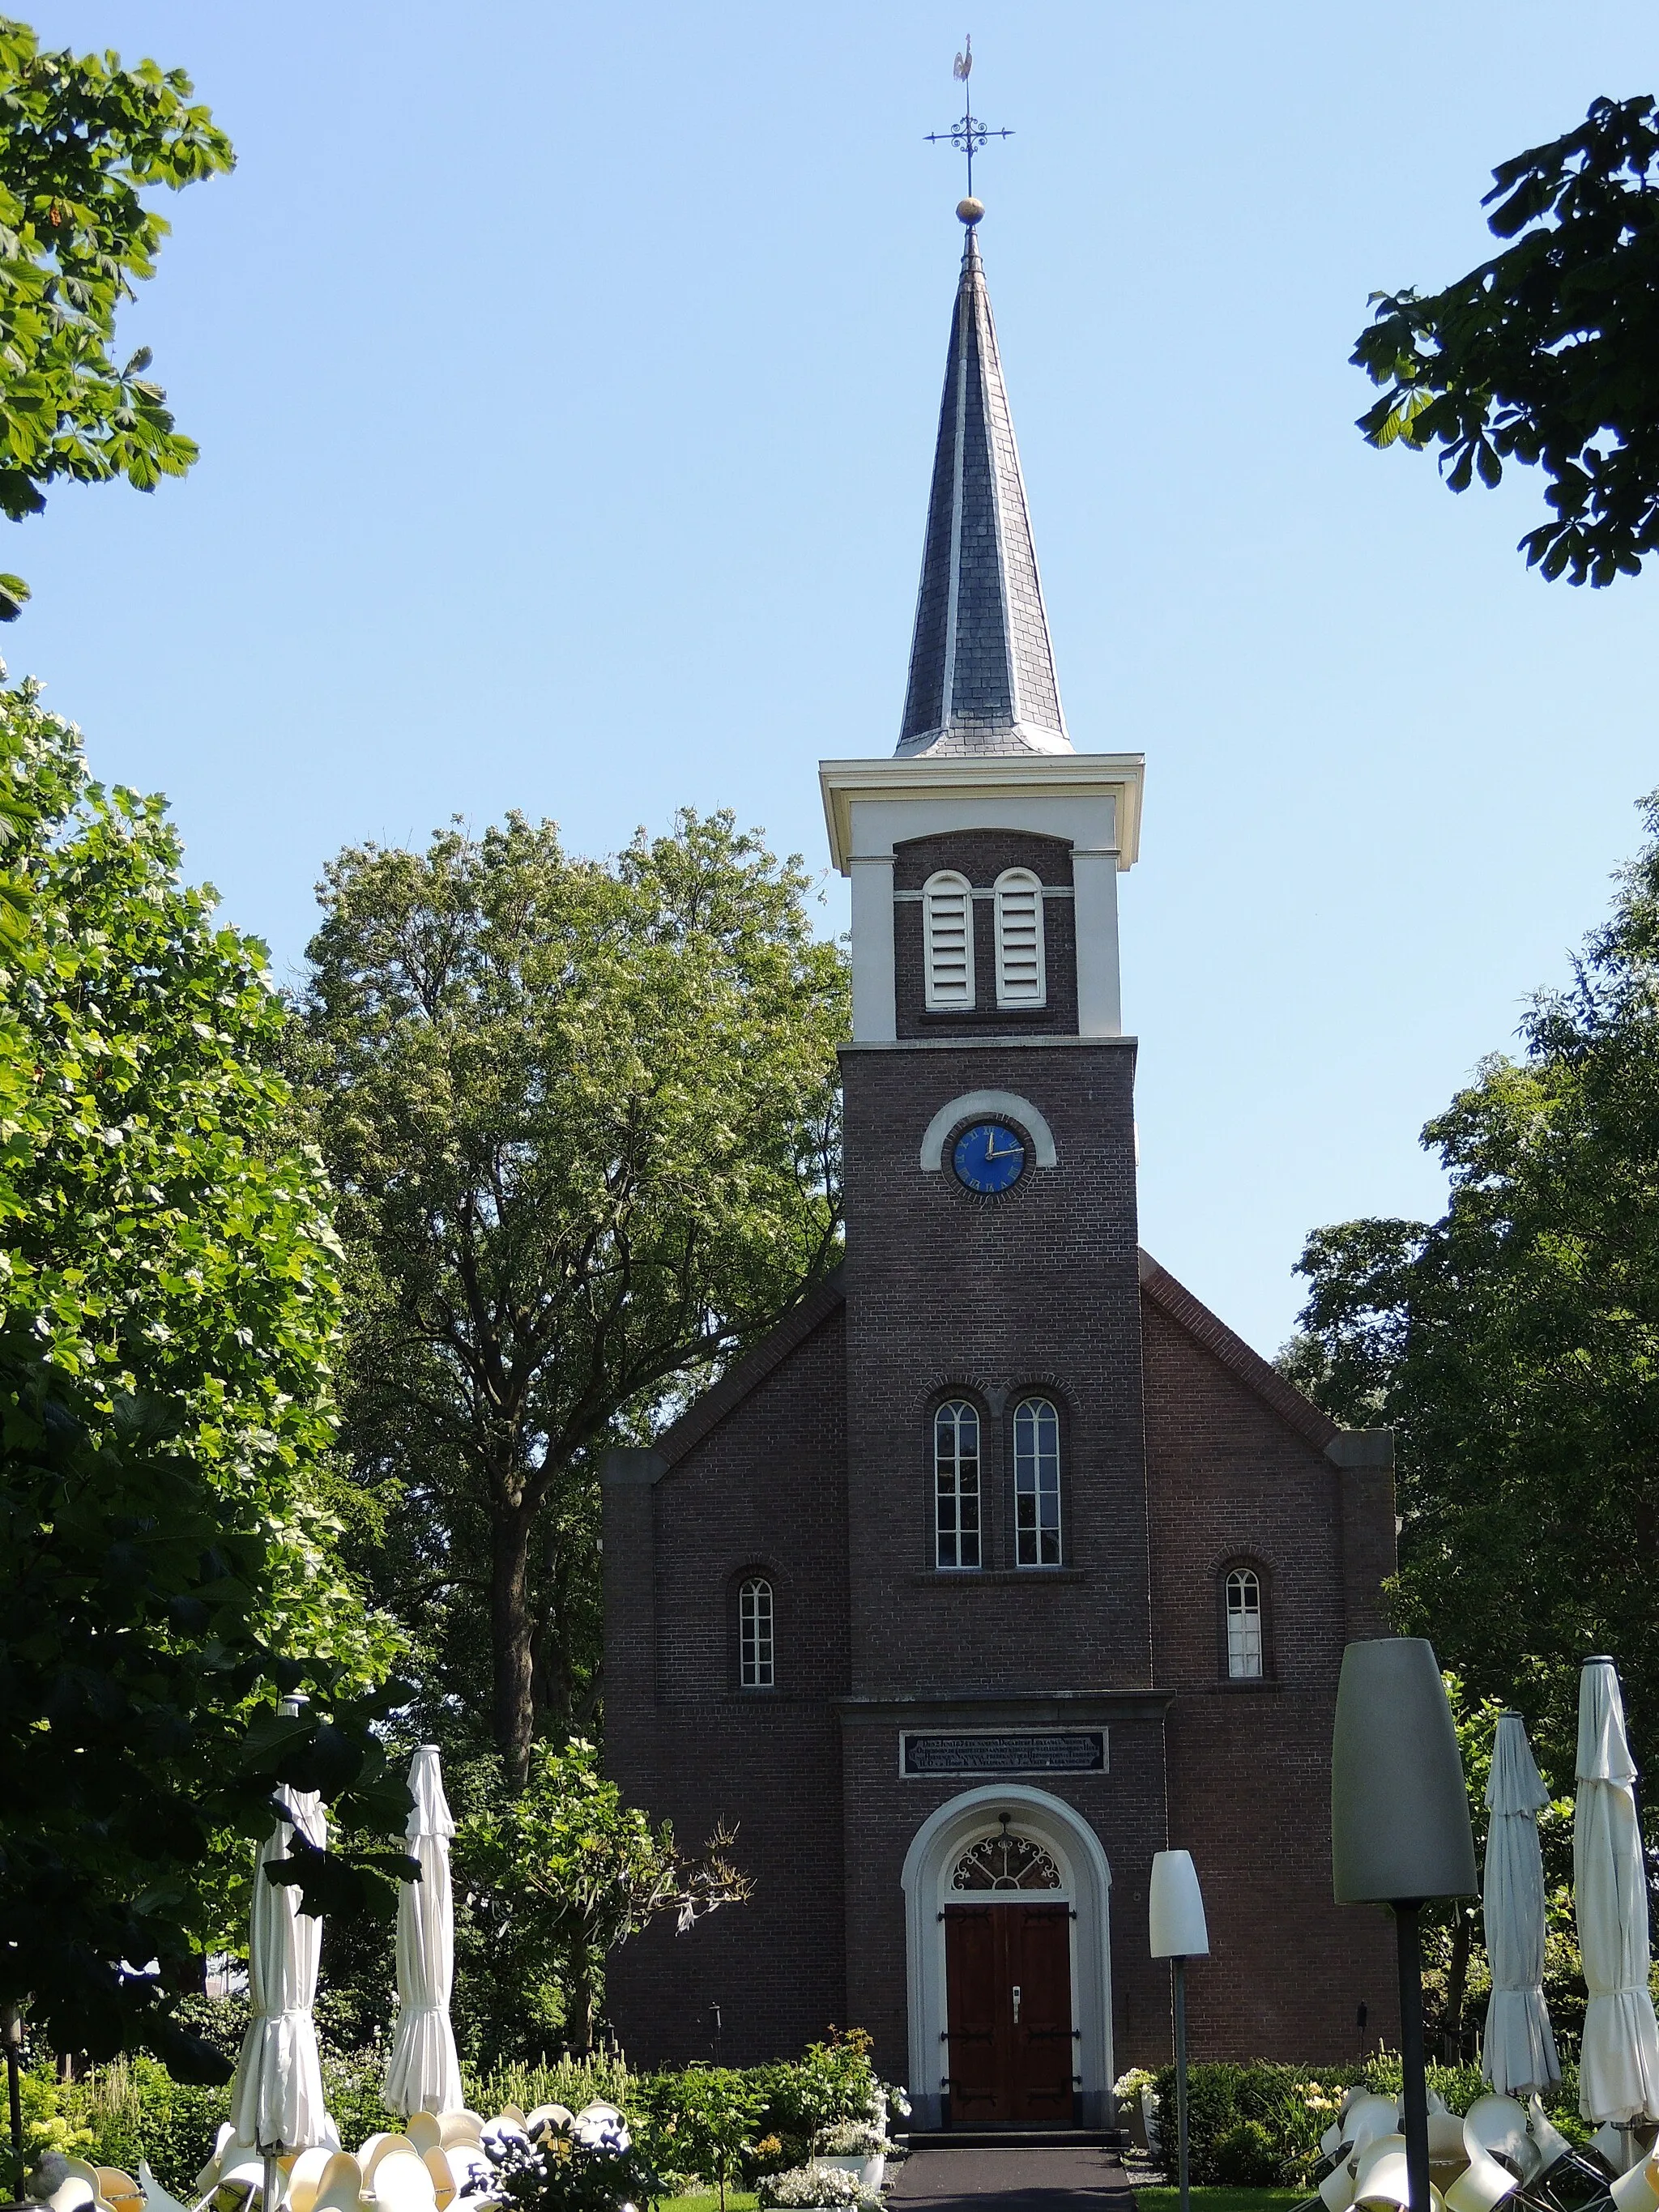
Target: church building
(1002, 1564)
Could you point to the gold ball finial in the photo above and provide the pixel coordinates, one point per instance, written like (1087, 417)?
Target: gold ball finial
(969, 211)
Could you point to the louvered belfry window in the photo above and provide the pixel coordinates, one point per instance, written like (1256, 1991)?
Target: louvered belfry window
(947, 921)
(1021, 981)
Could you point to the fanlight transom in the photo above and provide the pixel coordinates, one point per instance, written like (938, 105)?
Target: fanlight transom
(1006, 1861)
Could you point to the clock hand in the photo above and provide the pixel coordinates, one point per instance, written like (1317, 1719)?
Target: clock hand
(1005, 1152)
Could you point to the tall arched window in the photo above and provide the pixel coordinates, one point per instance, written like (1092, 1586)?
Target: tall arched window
(1036, 1483)
(755, 1633)
(1022, 980)
(955, 1483)
(1243, 1623)
(947, 927)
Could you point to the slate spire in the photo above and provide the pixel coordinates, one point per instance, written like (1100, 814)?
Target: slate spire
(981, 667)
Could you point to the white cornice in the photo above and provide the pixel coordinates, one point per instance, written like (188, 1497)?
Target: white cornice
(985, 778)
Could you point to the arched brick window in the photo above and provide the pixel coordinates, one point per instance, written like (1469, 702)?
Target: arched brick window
(947, 930)
(1022, 977)
(1243, 1622)
(755, 1632)
(955, 1483)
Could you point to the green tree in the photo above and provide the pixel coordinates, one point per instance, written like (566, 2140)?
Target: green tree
(1514, 1345)
(582, 1120)
(1548, 353)
(168, 1306)
(561, 1872)
(81, 141)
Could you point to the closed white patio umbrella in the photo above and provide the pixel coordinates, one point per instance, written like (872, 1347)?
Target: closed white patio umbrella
(423, 2074)
(1518, 2049)
(277, 2102)
(1619, 2063)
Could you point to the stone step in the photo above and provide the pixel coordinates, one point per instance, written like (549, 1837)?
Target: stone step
(1014, 2138)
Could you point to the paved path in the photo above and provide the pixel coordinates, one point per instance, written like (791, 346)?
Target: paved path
(1067, 2179)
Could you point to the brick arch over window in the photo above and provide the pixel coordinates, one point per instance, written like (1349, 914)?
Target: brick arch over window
(1244, 1590)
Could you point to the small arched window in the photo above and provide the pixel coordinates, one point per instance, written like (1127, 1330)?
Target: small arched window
(1022, 980)
(1036, 1483)
(1244, 1601)
(947, 924)
(755, 1633)
(955, 1483)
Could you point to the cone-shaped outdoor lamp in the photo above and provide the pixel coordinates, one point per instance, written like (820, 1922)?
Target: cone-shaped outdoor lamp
(1400, 1829)
(1175, 1915)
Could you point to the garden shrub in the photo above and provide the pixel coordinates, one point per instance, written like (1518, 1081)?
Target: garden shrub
(1259, 2125)
(1247, 2157)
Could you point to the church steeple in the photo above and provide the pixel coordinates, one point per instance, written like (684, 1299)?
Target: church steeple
(981, 667)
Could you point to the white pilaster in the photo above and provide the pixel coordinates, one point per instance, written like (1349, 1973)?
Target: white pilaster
(1099, 987)
(875, 1002)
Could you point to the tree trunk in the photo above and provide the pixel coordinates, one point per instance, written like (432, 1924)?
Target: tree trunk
(513, 1673)
(584, 2001)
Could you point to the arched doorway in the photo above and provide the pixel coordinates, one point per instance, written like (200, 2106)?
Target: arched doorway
(992, 1905)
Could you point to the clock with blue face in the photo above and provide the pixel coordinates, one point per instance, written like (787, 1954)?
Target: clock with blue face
(988, 1158)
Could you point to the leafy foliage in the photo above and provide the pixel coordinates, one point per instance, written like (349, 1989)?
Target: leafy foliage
(1548, 353)
(562, 1873)
(1514, 1346)
(168, 1303)
(81, 140)
(704, 2121)
(583, 1122)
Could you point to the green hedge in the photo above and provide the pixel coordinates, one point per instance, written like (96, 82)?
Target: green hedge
(1258, 2126)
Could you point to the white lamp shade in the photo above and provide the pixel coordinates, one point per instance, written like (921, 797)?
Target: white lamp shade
(1176, 1909)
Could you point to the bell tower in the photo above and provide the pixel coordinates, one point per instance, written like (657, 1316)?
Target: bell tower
(997, 1509)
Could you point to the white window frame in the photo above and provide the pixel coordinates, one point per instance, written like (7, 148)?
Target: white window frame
(1245, 1645)
(947, 942)
(1036, 1483)
(1021, 959)
(958, 1531)
(756, 1648)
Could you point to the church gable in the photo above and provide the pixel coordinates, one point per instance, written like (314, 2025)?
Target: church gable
(749, 1520)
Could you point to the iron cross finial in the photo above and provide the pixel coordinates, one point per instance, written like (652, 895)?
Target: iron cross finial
(969, 136)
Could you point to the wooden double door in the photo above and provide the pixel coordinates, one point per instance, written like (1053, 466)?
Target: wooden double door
(1008, 1996)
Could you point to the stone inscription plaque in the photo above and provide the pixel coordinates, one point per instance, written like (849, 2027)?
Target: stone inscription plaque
(1012, 1750)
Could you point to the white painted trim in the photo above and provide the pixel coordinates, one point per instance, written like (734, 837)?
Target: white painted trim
(973, 1104)
(935, 1849)
(1069, 786)
(875, 989)
(1099, 985)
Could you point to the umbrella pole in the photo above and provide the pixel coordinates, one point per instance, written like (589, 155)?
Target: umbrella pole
(1414, 2076)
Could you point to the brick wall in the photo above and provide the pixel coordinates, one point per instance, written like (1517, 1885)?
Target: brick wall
(764, 1490)
(1250, 1764)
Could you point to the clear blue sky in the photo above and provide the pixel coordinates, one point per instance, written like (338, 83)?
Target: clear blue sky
(566, 380)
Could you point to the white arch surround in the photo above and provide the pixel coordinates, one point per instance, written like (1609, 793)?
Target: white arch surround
(935, 1849)
(968, 1107)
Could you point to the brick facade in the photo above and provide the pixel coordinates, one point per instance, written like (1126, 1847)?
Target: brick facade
(1183, 1452)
